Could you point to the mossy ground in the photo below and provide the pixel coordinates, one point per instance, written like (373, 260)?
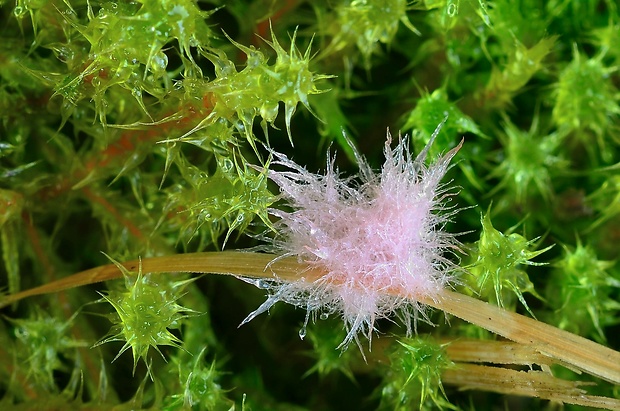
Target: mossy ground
(133, 128)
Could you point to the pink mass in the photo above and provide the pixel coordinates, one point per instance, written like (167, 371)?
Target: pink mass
(378, 237)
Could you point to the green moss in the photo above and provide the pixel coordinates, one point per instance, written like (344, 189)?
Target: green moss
(586, 103)
(144, 128)
(431, 109)
(414, 377)
(496, 272)
(147, 311)
(42, 341)
(528, 164)
(584, 304)
(366, 25)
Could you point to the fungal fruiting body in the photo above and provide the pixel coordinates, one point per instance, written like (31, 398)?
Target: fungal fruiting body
(377, 237)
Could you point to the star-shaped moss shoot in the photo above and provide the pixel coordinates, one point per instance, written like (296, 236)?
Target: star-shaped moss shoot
(147, 311)
(378, 237)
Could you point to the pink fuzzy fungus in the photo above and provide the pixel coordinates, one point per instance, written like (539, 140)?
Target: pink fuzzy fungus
(378, 237)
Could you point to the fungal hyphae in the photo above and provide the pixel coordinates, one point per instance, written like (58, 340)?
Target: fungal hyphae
(378, 237)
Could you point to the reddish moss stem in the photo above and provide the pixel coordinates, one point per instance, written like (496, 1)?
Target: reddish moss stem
(127, 223)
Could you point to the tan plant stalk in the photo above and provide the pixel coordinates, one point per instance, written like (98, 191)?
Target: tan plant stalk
(563, 347)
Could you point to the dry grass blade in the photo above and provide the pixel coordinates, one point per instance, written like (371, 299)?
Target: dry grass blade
(561, 346)
(564, 347)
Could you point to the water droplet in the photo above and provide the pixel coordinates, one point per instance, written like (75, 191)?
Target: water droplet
(324, 316)
(302, 331)
(159, 62)
(227, 165)
(452, 10)
(262, 284)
